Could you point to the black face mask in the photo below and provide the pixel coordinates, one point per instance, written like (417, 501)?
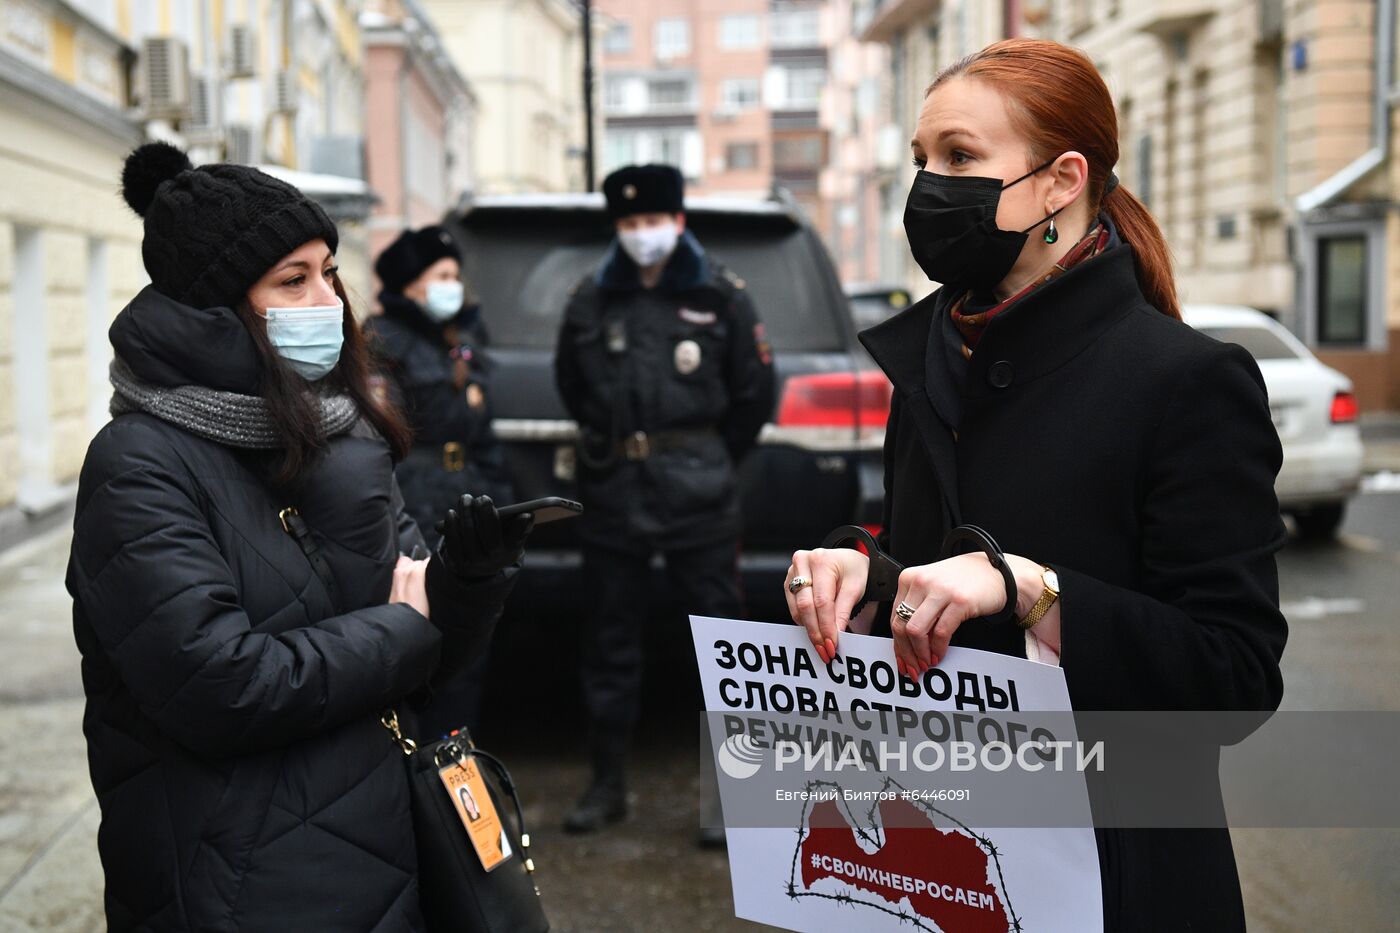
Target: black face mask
(951, 222)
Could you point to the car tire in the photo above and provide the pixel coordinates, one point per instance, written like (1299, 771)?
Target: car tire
(1320, 522)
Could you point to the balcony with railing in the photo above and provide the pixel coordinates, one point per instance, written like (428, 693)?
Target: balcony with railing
(882, 20)
(1168, 18)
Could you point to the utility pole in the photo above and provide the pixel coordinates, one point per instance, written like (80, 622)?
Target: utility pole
(588, 94)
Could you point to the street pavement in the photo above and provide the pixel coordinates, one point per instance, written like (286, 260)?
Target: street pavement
(647, 874)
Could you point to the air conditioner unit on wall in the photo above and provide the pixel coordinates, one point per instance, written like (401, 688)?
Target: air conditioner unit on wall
(203, 114)
(164, 78)
(238, 145)
(285, 92)
(242, 51)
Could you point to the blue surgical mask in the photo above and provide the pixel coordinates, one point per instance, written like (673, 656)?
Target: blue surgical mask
(309, 339)
(444, 300)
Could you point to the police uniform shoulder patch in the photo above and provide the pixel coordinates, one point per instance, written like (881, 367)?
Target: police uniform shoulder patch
(762, 344)
(732, 278)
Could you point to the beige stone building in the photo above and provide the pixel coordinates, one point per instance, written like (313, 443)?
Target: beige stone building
(69, 248)
(270, 82)
(524, 61)
(1257, 131)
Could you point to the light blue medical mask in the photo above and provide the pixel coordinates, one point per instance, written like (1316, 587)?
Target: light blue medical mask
(444, 300)
(308, 338)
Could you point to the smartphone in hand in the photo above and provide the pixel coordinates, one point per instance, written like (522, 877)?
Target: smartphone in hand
(549, 509)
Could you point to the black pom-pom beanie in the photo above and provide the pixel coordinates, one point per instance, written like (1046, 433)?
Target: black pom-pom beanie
(213, 231)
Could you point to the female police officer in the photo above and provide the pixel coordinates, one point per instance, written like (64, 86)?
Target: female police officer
(663, 362)
(1049, 394)
(429, 341)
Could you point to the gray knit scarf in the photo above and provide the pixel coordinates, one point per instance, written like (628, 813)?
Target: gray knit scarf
(229, 418)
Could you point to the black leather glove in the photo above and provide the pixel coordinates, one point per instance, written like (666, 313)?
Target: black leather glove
(476, 542)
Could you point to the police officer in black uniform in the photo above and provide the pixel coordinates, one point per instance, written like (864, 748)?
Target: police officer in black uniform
(429, 347)
(429, 343)
(664, 364)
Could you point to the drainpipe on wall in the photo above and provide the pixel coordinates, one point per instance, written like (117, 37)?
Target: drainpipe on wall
(408, 27)
(1329, 190)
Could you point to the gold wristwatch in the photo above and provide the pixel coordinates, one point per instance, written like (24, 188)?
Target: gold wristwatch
(1046, 600)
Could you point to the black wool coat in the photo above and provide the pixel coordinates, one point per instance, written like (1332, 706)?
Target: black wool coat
(418, 378)
(232, 714)
(1137, 458)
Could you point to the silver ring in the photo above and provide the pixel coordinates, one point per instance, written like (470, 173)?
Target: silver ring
(904, 611)
(797, 584)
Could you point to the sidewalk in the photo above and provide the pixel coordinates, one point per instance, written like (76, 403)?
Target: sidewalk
(1381, 436)
(638, 877)
(50, 878)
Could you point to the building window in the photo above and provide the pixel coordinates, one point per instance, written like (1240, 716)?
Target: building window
(614, 94)
(739, 94)
(668, 148)
(802, 87)
(678, 146)
(801, 153)
(739, 33)
(1342, 274)
(669, 95)
(1143, 184)
(794, 28)
(740, 157)
(1081, 15)
(619, 149)
(618, 41)
(672, 38)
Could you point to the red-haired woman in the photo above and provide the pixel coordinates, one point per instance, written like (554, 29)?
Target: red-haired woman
(1050, 394)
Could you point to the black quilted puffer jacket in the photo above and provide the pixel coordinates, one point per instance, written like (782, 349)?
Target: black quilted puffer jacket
(232, 715)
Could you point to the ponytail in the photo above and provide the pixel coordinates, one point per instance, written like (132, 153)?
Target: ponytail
(1152, 256)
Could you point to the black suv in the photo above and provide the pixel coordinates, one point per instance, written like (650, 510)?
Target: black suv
(816, 466)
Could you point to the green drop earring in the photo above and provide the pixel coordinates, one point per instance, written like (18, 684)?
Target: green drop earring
(1051, 234)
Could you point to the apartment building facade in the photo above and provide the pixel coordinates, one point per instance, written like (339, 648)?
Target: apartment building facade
(745, 96)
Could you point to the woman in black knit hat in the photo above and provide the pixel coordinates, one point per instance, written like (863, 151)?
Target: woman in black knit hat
(241, 603)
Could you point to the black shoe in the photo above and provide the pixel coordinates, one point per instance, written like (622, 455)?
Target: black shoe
(601, 806)
(711, 837)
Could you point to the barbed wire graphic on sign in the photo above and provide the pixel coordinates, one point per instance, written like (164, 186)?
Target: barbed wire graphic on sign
(813, 796)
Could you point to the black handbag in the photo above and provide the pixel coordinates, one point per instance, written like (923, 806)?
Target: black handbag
(456, 892)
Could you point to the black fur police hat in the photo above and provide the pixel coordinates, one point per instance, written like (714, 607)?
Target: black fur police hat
(644, 189)
(413, 252)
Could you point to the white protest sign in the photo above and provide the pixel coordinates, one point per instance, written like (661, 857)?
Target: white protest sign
(840, 855)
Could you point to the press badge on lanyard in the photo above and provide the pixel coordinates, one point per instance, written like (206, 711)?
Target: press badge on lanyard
(467, 788)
